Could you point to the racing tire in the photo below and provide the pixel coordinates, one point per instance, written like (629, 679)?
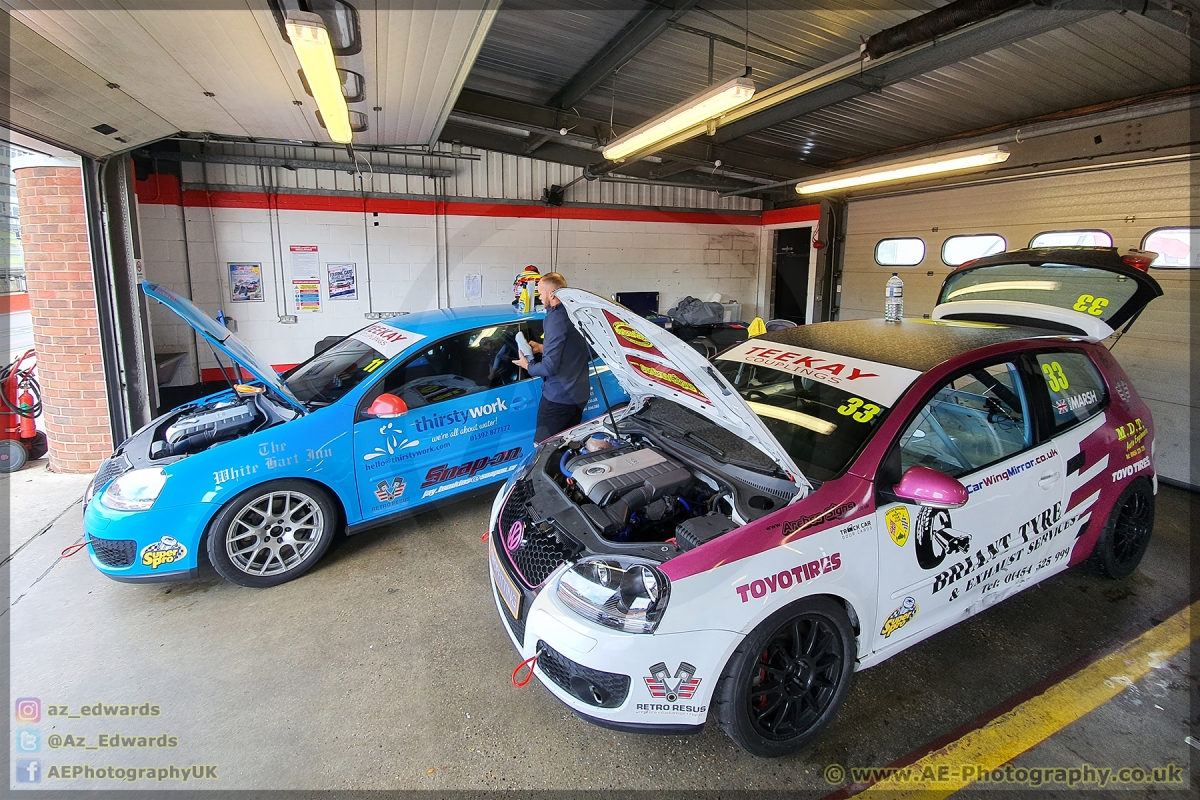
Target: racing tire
(272, 533)
(786, 681)
(1127, 531)
(12, 455)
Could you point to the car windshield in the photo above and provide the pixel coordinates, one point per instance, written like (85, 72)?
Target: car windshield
(328, 376)
(821, 426)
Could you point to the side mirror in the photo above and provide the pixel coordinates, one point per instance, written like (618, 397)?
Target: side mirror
(928, 487)
(387, 406)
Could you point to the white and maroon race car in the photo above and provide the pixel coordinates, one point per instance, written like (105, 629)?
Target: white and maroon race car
(748, 532)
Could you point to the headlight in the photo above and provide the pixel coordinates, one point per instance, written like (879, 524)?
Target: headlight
(620, 592)
(134, 491)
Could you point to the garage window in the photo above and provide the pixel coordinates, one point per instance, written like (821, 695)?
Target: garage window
(899, 252)
(1074, 385)
(961, 249)
(975, 420)
(1071, 239)
(1176, 247)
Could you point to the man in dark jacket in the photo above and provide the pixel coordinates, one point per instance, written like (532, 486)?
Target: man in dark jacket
(563, 365)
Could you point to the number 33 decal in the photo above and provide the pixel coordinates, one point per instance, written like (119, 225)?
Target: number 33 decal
(1092, 305)
(862, 412)
(1055, 378)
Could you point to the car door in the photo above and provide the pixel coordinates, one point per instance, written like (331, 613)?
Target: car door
(470, 418)
(939, 565)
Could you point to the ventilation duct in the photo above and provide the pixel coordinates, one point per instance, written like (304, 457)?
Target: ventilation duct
(928, 27)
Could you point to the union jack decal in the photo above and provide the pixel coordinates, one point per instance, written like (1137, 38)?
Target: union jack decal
(387, 492)
(679, 687)
(1061, 406)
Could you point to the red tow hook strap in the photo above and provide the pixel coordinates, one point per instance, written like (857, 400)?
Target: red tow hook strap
(529, 662)
(485, 536)
(73, 549)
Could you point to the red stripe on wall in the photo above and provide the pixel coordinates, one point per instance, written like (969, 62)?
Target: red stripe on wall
(164, 189)
(14, 302)
(783, 216)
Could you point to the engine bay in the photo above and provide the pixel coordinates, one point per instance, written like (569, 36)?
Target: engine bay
(197, 427)
(648, 487)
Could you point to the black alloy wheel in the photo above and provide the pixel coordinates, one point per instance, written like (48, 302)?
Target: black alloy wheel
(1126, 534)
(786, 682)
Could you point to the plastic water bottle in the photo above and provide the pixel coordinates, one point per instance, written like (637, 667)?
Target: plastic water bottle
(893, 299)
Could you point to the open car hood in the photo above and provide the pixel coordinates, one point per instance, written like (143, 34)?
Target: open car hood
(223, 339)
(1080, 291)
(646, 360)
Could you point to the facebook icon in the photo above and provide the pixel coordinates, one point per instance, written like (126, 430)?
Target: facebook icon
(29, 770)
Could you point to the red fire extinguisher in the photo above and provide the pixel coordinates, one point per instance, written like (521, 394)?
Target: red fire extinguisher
(26, 428)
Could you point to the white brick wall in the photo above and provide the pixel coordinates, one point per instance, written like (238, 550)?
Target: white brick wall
(673, 258)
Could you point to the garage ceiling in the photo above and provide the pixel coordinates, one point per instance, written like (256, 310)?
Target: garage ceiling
(225, 68)
(509, 77)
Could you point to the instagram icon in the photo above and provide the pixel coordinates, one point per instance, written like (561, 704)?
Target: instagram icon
(29, 709)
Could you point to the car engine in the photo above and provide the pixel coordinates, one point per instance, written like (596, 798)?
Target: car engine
(197, 427)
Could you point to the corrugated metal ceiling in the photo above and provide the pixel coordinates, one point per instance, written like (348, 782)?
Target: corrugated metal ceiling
(532, 53)
(1105, 58)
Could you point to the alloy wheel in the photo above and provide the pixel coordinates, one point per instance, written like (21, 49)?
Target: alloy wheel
(274, 533)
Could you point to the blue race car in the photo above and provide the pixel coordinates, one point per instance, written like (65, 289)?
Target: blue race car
(394, 417)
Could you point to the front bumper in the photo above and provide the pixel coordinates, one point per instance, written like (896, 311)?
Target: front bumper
(648, 683)
(154, 546)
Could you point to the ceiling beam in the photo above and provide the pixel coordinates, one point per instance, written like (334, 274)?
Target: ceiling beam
(541, 120)
(631, 40)
(839, 86)
(573, 156)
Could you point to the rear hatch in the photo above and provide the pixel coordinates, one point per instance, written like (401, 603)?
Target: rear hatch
(1079, 291)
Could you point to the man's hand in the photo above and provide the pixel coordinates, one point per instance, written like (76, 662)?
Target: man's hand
(522, 363)
(536, 347)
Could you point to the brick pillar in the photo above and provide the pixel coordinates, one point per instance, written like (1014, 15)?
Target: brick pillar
(66, 329)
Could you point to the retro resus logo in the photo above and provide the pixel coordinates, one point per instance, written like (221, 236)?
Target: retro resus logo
(663, 686)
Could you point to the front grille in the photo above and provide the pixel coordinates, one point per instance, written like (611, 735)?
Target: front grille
(542, 550)
(539, 555)
(596, 688)
(114, 552)
(514, 506)
(111, 468)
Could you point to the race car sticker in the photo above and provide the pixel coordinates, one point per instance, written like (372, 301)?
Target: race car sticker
(166, 550)
(387, 340)
(388, 491)
(663, 686)
(469, 472)
(900, 617)
(872, 380)
(666, 376)
(898, 524)
(784, 580)
(629, 337)
(1131, 469)
(806, 521)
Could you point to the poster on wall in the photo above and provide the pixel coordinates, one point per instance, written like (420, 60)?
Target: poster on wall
(306, 263)
(245, 282)
(342, 285)
(307, 294)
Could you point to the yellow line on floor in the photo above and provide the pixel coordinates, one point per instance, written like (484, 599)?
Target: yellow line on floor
(958, 764)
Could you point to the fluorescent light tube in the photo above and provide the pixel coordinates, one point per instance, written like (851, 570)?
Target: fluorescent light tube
(693, 112)
(905, 170)
(310, 39)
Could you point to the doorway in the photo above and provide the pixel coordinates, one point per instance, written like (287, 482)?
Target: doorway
(791, 274)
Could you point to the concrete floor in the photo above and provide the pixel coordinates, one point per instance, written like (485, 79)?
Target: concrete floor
(387, 667)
